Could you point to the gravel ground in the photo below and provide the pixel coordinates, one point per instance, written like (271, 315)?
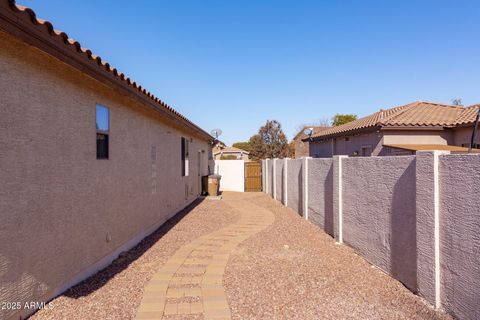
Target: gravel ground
(116, 292)
(293, 270)
(290, 270)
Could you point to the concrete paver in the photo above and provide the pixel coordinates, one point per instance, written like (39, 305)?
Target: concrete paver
(196, 270)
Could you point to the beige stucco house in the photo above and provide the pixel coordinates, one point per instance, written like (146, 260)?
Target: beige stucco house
(90, 162)
(398, 131)
(302, 144)
(220, 153)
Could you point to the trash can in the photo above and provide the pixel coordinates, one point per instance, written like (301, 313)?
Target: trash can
(213, 184)
(204, 185)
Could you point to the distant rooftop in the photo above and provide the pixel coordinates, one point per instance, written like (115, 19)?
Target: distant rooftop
(416, 114)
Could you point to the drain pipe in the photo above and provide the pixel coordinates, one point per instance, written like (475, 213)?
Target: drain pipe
(472, 140)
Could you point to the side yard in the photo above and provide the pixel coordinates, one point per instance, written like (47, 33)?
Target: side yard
(291, 269)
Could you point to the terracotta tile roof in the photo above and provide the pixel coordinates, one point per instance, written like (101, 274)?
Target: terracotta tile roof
(468, 115)
(230, 150)
(416, 114)
(45, 27)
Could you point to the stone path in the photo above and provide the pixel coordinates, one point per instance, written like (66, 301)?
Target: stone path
(190, 283)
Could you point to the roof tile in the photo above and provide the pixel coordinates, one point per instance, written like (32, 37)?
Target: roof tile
(420, 113)
(22, 10)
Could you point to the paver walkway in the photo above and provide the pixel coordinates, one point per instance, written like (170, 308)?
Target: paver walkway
(190, 283)
(244, 257)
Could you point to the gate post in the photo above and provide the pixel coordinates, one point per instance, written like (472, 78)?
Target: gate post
(338, 197)
(428, 225)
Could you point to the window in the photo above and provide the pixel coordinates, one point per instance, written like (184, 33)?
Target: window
(185, 143)
(103, 129)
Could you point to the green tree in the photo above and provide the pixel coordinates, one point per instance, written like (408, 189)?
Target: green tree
(269, 142)
(340, 119)
(244, 145)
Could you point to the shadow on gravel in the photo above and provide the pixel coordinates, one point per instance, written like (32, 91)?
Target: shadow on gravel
(102, 277)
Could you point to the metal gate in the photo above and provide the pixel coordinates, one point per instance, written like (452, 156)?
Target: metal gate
(253, 176)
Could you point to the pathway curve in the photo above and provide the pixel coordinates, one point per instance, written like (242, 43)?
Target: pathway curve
(190, 283)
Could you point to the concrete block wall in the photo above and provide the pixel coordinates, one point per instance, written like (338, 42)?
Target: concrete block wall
(379, 213)
(279, 180)
(320, 193)
(460, 234)
(268, 176)
(415, 217)
(294, 189)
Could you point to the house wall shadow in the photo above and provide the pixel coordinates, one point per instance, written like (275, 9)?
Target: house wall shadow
(328, 203)
(403, 228)
(102, 277)
(300, 193)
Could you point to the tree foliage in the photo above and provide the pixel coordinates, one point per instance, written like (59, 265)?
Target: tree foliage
(340, 119)
(323, 122)
(244, 145)
(457, 102)
(269, 142)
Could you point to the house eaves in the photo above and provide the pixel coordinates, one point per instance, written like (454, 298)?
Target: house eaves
(22, 22)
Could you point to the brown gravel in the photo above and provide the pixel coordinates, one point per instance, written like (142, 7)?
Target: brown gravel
(293, 270)
(116, 292)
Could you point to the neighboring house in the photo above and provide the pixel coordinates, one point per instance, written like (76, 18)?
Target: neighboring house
(216, 145)
(400, 130)
(230, 153)
(302, 144)
(90, 162)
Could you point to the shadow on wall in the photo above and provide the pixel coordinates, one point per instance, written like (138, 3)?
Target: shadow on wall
(102, 277)
(300, 194)
(403, 227)
(328, 203)
(282, 188)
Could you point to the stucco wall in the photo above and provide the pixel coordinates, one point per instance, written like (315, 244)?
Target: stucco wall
(301, 148)
(419, 137)
(295, 185)
(323, 149)
(379, 213)
(391, 217)
(464, 135)
(62, 210)
(460, 229)
(269, 177)
(320, 193)
(233, 175)
(356, 142)
(279, 179)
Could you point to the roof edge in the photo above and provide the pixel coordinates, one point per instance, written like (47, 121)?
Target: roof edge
(22, 23)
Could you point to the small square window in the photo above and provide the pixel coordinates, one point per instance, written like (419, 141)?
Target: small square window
(102, 122)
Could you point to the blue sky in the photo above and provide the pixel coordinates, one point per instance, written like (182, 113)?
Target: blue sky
(234, 64)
